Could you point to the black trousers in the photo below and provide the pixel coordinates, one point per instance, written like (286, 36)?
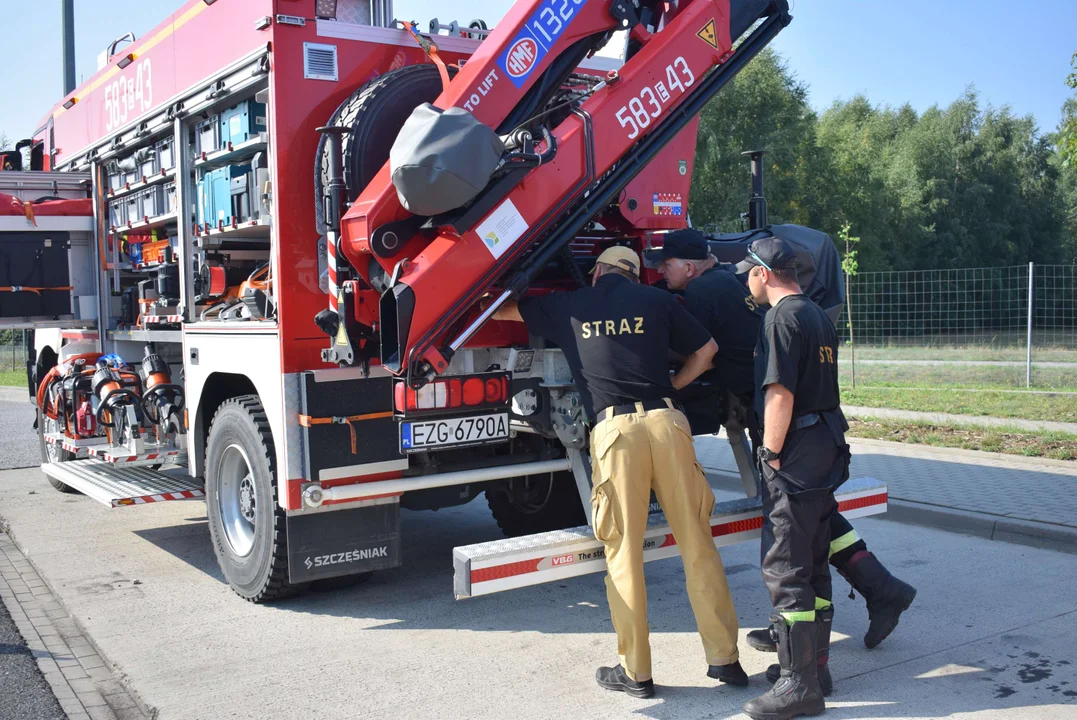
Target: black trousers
(839, 526)
(795, 549)
(798, 510)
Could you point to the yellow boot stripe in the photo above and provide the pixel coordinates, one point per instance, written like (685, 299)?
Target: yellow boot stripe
(839, 544)
(795, 616)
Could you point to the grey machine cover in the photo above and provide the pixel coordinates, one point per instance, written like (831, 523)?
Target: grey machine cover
(442, 159)
(818, 262)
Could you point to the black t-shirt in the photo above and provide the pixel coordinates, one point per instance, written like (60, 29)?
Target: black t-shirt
(615, 336)
(798, 349)
(725, 308)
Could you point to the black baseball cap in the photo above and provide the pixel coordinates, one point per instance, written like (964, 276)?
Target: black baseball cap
(773, 253)
(685, 244)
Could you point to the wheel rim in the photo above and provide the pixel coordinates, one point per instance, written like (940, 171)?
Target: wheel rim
(237, 499)
(52, 452)
(530, 494)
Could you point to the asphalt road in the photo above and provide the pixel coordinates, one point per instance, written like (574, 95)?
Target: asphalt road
(991, 634)
(19, 445)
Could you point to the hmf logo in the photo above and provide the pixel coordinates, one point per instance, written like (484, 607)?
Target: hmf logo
(521, 57)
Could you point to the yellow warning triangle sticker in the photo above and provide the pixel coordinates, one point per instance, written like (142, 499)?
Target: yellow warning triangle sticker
(709, 35)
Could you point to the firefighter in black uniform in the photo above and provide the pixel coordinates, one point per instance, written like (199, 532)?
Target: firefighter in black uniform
(615, 336)
(726, 308)
(803, 459)
(721, 303)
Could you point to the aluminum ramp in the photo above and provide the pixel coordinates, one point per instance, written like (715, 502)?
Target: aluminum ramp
(122, 486)
(490, 567)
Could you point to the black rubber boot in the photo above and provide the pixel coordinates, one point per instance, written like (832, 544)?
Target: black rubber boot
(796, 691)
(823, 621)
(615, 678)
(764, 639)
(731, 674)
(887, 596)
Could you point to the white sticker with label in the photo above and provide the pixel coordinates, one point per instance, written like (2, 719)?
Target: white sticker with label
(502, 228)
(234, 125)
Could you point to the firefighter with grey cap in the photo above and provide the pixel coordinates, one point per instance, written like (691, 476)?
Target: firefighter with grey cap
(726, 308)
(803, 459)
(615, 336)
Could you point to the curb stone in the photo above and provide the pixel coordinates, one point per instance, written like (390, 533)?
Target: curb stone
(990, 527)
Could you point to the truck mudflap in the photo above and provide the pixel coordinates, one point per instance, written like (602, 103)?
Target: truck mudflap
(505, 564)
(344, 542)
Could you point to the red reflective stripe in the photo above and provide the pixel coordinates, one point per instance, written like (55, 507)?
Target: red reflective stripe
(862, 502)
(736, 526)
(503, 571)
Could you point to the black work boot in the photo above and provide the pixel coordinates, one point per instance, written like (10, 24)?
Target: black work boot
(887, 596)
(615, 678)
(764, 639)
(823, 620)
(796, 691)
(731, 674)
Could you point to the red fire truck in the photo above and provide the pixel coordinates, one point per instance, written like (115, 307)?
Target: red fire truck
(264, 307)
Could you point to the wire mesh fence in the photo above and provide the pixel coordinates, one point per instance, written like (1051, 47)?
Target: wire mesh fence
(12, 356)
(1005, 325)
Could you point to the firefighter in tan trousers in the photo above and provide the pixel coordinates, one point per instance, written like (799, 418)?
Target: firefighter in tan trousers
(615, 336)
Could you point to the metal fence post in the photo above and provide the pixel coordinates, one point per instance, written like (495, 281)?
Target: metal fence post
(1028, 352)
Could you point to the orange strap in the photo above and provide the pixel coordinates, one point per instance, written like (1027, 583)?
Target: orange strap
(349, 420)
(28, 210)
(35, 290)
(431, 49)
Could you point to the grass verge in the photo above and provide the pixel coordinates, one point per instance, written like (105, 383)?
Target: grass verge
(991, 402)
(15, 378)
(1011, 441)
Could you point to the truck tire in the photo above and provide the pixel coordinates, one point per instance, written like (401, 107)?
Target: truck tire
(375, 113)
(536, 503)
(246, 525)
(52, 453)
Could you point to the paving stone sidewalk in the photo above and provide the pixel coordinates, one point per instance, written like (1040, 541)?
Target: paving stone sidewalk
(989, 484)
(84, 685)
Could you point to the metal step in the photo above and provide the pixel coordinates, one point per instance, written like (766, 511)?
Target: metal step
(506, 564)
(80, 448)
(120, 486)
(165, 455)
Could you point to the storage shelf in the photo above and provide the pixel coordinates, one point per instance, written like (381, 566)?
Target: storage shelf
(147, 224)
(230, 154)
(161, 177)
(139, 335)
(257, 230)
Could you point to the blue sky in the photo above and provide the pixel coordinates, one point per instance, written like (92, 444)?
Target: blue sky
(918, 51)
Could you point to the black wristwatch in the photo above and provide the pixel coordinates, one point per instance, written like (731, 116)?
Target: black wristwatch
(766, 455)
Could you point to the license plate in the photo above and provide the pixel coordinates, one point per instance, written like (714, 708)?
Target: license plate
(453, 432)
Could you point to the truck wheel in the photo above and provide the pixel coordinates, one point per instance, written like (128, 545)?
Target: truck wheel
(536, 503)
(375, 113)
(52, 453)
(246, 524)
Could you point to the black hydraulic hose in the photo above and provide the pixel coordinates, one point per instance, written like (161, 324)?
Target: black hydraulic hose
(636, 159)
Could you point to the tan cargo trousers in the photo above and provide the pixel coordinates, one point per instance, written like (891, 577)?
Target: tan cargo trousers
(630, 455)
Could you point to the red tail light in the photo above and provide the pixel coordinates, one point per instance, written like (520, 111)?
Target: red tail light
(471, 392)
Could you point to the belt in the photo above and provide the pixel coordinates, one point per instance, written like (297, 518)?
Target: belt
(806, 420)
(639, 407)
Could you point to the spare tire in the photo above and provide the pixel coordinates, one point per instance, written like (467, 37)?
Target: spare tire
(375, 113)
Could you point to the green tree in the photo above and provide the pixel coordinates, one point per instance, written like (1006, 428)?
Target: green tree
(764, 108)
(1067, 131)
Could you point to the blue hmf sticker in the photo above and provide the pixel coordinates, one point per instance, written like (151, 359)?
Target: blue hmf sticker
(543, 28)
